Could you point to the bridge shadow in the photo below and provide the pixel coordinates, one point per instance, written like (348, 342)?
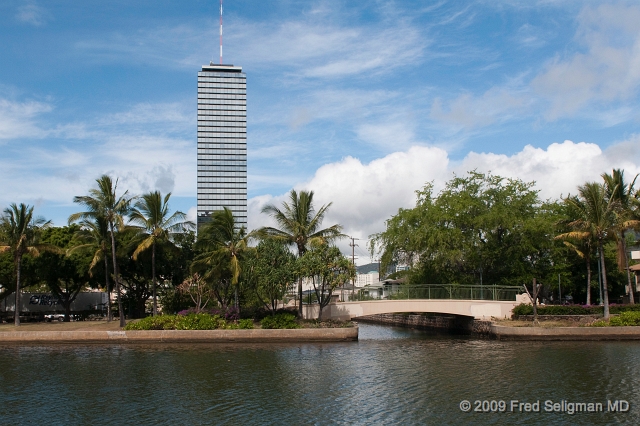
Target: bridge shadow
(437, 323)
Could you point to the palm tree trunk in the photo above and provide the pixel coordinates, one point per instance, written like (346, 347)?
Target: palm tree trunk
(153, 278)
(626, 266)
(115, 277)
(605, 291)
(588, 280)
(16, 316)
(300, 297)
(108, 287)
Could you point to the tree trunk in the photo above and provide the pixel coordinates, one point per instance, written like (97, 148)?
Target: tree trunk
(535, 302)
(16, 315)
(108, 287)
(588, 280)
(605, 291)
(153, 278)
(300, 297)
(67, 310)
(115, 277)
(626, 266)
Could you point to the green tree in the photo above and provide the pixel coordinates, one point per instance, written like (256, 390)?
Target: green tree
(328, 269)
(20, 234)
(595, 220)
(622, 194)
(151, 215)
(223, 246)
(103, 202)
(480, 228)
(93, 235)
(583, 247)
(65, 274)
(299, 223)
(272, 271)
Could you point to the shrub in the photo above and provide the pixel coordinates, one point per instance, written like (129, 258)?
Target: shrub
(245, 323)
(163, 322)
(229, 314)
(201, 321)
(626, 319)
(525, 309)
(282, 320)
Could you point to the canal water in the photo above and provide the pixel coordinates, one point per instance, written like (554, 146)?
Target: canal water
(390, 376)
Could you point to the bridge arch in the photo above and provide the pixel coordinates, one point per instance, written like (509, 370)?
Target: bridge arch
(478, 309)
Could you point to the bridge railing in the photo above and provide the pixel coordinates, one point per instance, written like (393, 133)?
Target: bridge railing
(444, 291)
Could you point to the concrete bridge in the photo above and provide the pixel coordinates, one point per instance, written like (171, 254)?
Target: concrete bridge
(478, 309)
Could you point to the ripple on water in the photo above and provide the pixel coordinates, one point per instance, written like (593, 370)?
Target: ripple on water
(390, 376)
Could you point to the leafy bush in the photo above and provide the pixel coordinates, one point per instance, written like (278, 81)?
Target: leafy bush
(245, 323)
(629, 318)
(525, 309)
(201, 321)
(163, 322)
(282, 320)
(229, 314)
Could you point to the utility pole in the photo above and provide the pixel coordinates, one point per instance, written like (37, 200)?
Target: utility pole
(353, 246)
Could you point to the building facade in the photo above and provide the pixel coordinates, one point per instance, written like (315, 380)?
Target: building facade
(222, 142)
(370, 278)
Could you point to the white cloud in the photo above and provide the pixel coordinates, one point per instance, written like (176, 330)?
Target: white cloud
(192, 214)
(557, 170)
(313, 45)
(17, 119)
(365, 195)
(468, 111)
(153, 113)
(31, 13)
(607, 70)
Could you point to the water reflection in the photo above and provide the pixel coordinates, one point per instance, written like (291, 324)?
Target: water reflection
(390, 376)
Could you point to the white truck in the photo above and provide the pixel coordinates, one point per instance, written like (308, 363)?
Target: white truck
(47, 307)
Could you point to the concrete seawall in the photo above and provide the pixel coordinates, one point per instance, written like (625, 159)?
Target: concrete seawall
(187, 336)
(565, 333)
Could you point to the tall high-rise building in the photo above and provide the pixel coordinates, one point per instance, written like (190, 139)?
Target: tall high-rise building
(222, 141)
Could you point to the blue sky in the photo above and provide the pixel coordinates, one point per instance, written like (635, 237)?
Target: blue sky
(362, 102)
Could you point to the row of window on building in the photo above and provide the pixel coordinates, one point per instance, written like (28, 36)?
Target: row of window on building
(217, 101)
(224, 79)
(232, 144)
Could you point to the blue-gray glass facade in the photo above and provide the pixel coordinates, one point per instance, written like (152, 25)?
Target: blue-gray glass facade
(222, 141)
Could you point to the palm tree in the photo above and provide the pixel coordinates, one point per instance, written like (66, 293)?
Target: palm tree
(582, 245)
(299, 224)
(224, 247)
(151, 214)
(622, 194)
(20, 232)
(94, 235)
(104, 203)
(596, 220)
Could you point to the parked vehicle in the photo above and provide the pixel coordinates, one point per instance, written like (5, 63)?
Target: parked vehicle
(47, 307)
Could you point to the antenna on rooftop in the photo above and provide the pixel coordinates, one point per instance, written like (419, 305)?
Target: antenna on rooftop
(220, 32)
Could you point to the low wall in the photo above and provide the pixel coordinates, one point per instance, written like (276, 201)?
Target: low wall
(565, 333)
(573, 318)
(192, 336)
(445, 323)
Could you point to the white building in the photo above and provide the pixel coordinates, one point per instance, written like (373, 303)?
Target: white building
(222, 141)
(369, 278)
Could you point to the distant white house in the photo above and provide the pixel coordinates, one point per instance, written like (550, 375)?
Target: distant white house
(369, 278)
